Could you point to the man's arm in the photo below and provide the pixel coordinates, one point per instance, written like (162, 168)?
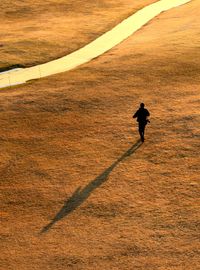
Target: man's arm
(148, 114)
(135, 115)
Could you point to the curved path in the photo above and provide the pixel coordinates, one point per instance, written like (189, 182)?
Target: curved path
(97, 47)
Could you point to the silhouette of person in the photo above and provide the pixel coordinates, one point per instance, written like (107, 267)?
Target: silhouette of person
(142, 119)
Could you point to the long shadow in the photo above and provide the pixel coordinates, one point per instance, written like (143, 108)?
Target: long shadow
(79, 196)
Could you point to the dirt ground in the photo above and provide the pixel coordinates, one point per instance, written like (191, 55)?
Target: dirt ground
(78, 190)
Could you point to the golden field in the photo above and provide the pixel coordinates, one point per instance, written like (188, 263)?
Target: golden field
(78, 190)
(35, 32)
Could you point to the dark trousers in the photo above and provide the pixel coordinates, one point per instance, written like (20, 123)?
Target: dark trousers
(141, 130)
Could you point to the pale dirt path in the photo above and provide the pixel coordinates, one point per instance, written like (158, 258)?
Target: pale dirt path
(94, 49)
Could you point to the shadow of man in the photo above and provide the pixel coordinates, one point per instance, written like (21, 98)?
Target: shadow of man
(79, 196)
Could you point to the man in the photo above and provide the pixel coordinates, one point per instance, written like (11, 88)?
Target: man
(142, 119)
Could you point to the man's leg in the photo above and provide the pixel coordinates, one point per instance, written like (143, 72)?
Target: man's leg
(141, 131)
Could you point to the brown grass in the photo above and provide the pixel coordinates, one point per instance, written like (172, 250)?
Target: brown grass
(77, 193)
(34, 32)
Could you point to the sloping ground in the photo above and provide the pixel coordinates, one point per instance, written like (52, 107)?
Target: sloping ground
(94, 49)
(34, 32)
(79, 191)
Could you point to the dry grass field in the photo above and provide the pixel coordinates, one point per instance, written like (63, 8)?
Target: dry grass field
(78, 190)
(34, 32)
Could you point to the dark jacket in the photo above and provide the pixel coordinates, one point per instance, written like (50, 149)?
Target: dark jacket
(142, 115)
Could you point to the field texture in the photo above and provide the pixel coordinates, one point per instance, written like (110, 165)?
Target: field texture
(78, 190)
(35, 32)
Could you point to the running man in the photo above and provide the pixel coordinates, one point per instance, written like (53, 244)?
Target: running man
(142, 119)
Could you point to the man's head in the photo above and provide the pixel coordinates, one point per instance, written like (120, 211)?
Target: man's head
(141, 105)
